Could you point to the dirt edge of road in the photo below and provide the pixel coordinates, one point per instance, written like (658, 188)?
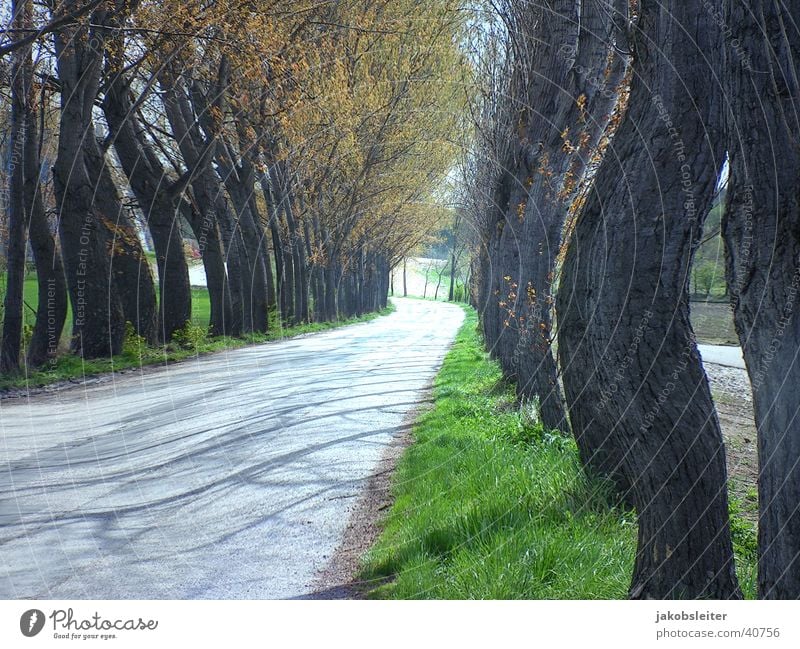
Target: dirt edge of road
(339, 578)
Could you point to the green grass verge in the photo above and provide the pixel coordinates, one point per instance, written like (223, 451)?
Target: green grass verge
(192, 342)
(744, 533)
(488, 505)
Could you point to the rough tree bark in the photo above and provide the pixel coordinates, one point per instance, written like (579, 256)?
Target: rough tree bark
(282, 239)
(639, 401)
(271, 201)
(239, 178)
(18, 213)
(130, 270)
(98, 326)
(567, 85)
(201, 178)
(761, 228)
(51, 312)
(159, 199)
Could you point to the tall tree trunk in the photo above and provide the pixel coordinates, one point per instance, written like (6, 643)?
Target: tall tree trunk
(572, 83)
(639, 400)
(761, 228)
(259, 248)
(299, 261)
(130, 269)
(51, 312)
(438, 283)
(239, 181)
(18, 213)
(284, 294)
(332, 275)
(451, 292)
(98, 326)
(270, 199)
(205, 188)
(282, 232)
(159, 200)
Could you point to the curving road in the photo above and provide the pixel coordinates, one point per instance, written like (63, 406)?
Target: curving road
(230, 476)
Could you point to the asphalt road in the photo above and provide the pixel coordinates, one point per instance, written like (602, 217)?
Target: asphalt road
(729, 356)
(229, 476)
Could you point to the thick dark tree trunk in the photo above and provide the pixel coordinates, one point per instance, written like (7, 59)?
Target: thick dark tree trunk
(51, 312)
(98, 326)
(18, 213)
(296, 275)
(239, 181)
(204, 227)
(282, 237)
(639, 400)
(319, 270)
(299, 261)
(270, 199)
(205, 187)
(315, 286)
(332, 273)
(492, 320)
(280, 264)
(256, 230)
(208, 104)
(761, 228)
(160, 202)
(130, 270)
(568, 96)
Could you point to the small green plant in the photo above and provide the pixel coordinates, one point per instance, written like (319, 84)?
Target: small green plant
(743, 532)
(192, 336)
(134, 345)
(27, 334)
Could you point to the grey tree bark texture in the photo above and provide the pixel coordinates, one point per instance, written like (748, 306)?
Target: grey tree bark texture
(98, 324)
(203, 182)
(564, 87)
(51, 311)
(159, 199)
(761, 228)
(18, 215)
(638, 398)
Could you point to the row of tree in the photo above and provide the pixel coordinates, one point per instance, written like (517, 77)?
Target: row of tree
(601, 142)
(296, 145)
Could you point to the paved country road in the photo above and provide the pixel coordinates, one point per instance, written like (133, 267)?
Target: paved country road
(229, 476)
(729, 356)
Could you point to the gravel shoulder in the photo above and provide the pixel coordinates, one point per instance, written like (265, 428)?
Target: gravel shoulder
(733, 397)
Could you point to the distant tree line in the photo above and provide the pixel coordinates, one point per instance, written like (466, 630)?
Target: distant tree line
(297, 145)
